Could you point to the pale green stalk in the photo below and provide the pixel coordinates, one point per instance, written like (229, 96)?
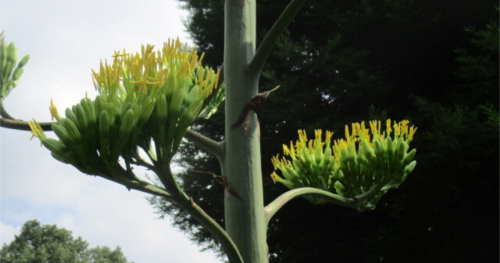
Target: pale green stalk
(245, 219)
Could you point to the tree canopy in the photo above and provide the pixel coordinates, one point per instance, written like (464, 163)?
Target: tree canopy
(432, 62)
(47, 243)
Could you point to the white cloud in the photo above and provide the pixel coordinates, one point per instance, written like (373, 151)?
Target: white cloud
(7, 233)
(109, 213)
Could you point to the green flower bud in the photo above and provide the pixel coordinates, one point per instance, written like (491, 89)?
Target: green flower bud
(23, 61)
(17, 73)
(7, 70)
(409, 157)
(64, 158)
(12, 53)
(3, 53)
(62, 133)
(161, 108)
(81, 118)
(54, 145)
(127, 124)
(72, 130)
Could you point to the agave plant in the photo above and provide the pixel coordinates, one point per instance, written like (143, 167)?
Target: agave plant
(147, 101)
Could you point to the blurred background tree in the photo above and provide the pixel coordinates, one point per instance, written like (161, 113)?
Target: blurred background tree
(48, 244)
(432, 62)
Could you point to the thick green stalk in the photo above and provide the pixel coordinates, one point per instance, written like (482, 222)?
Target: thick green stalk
(244, 213)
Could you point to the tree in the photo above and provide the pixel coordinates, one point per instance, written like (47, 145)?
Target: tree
(106, 255)
(368, 56)
(48, 243)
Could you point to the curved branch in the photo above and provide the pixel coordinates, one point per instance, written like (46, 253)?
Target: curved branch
(168, 180)
(279, 202)
(258, 61)
(355, 202)
(8, 121)
(142, 186)
(216, 148)
(187, 204)
(23, 125)
(209, 223)
(4, 112)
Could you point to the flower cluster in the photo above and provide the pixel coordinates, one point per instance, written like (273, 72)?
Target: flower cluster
(146, 100)
(10, 69)
(366, 158)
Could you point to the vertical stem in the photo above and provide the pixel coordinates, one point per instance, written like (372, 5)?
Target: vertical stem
(245, 219)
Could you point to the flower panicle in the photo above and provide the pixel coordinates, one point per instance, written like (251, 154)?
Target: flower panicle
(150, 95)
(366, 158)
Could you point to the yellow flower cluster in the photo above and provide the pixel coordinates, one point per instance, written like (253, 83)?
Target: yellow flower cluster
(172, 67)
(146, 100)
(350, 165)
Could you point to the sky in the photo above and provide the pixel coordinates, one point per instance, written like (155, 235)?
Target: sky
(66, 39)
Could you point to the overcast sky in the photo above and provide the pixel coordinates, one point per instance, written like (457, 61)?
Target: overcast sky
(66, 39)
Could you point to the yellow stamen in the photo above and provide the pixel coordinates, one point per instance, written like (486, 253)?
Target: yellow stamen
(53, 111)
(36, 130)
(276, 177)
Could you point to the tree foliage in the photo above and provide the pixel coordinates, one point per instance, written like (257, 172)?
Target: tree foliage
(46, 244)
(343, 62)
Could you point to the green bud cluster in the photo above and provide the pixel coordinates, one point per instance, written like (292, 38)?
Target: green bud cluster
(95, 133)
(365, 160)
(146, 100)
(10, 69)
